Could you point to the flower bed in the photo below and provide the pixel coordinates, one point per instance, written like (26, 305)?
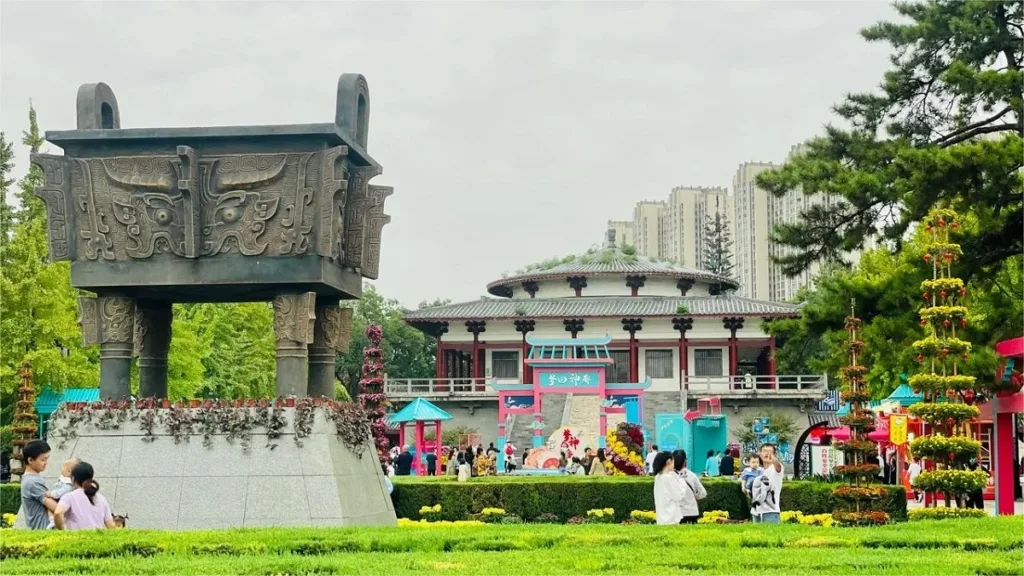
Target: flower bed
(919, 514)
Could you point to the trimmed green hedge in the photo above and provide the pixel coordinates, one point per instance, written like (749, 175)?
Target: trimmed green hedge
(10, 498)
(568, 496)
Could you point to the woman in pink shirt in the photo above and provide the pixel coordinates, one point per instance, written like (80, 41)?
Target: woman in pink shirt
(83, 508)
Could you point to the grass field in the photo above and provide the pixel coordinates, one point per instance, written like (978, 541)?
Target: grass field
(975, 547)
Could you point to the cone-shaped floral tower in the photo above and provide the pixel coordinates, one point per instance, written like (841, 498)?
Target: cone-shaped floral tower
(948, 394)
(26, 424)
(372, 398)
(859, 496)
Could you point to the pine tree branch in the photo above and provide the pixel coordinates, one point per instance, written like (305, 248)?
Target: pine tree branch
(970, 129)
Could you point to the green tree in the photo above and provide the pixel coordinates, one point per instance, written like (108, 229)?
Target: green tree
(241, 360)
(38, 307)
(408, 353)
(6, 166)
(885, 287)
(945, 129)
(717, 244)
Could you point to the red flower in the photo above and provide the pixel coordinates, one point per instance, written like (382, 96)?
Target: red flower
(963, 322)
(924, 322)
(927, 257)
(942, 223)
(942, 294)
(919, 358)
(945, 323)
(926, 295)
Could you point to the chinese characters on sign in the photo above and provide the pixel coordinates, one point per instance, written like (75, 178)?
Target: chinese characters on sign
(569, 379)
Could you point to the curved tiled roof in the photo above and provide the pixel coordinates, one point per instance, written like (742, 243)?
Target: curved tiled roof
(600, 306)
(608, 262)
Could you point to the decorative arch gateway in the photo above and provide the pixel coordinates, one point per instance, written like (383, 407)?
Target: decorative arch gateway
(566, 366)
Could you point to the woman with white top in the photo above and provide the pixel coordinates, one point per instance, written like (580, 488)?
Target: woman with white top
(668, 491)
(692, 489)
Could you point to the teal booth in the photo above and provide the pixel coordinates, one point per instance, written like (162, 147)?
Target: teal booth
(696, 437)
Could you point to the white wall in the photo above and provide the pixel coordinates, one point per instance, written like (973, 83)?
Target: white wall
(653, 329)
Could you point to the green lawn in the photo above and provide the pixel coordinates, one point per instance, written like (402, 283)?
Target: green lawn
(975, 547)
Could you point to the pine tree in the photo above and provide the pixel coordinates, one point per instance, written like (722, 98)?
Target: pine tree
(717, 244)
(946, 129)
(859, 494)
(372, 399)
(949, 395)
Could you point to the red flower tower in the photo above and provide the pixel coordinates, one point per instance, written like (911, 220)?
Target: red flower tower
(948, 394)
(372, 398)
(859, 495)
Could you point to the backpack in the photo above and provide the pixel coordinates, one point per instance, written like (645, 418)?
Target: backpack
(762, 495)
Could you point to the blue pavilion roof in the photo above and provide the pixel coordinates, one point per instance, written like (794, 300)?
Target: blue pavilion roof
(48, 400)
(419, 410)
(905, 396)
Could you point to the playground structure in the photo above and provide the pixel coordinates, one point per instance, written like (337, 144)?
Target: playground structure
(567, 366)
(420, 412)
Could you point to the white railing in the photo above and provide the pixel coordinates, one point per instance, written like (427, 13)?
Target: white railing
(721, 385)
(766, 385)
(439, 388)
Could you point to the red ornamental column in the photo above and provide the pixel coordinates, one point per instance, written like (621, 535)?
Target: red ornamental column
(420, 444)
(476, 327)
(771, 365)
(682, 325)
(437, 447)
(439, 357)
(524, 327)
(633, 325)
(732, 324)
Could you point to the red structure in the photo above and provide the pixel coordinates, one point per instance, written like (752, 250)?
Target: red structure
(1007, 404)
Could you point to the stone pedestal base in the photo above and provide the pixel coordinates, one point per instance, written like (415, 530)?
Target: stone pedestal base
(185, 486)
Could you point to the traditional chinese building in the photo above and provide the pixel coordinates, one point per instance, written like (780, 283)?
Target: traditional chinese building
(683, 329)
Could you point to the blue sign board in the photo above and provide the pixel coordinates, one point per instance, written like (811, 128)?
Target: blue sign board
(670, 432)
(575, 379)
(519, 401)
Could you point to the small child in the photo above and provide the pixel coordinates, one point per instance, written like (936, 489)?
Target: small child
(63, 485)
(752, 471)
(120, 521)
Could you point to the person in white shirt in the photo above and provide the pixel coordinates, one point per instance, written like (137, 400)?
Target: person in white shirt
(912, 471)
(668, 491)
(649, 461)
(767, 488)
(693, 490)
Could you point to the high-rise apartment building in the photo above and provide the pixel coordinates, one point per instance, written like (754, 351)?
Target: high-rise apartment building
(682, 222)
(621, 232)
(647, 227)
(752, 264)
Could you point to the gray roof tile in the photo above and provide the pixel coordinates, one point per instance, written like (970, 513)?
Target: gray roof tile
(601, 306)
(610, 262)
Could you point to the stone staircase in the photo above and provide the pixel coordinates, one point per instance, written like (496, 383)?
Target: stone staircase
(521, 430)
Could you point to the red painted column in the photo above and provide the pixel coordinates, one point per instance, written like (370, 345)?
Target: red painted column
(771, 365)
(437, 446)
(401, 436)
(1004, 436)
(683, 362)
(420, 442)
(634, 361)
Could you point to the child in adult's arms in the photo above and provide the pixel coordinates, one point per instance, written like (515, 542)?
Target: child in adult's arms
(83, 508)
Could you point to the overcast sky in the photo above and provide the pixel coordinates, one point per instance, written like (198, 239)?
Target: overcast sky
(511, 131)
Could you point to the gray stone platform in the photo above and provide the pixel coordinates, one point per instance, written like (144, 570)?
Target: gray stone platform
(186, 486)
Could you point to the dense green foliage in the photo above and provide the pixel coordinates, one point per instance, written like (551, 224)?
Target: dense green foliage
(983, 546)
(945, 130)
(10, 498)
(886, 287)
(568, 496)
